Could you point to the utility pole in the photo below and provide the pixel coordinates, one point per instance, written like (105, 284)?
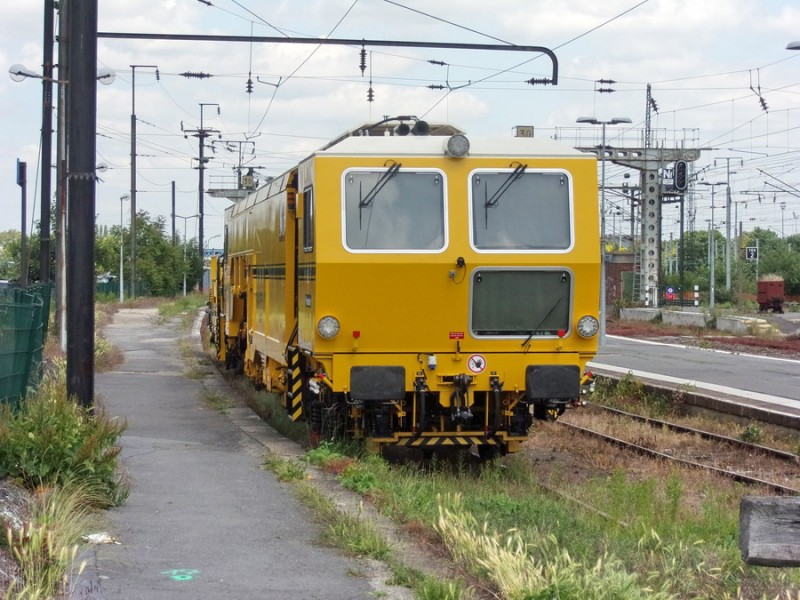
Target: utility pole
(132, 293)
(82, 131)
(201, 134)
(47, 140)
(728, 249)
(61, 174)
(174, 238)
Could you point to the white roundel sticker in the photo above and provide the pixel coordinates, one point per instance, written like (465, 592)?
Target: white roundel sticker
(476, 363)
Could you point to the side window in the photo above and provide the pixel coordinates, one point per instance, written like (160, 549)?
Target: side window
(308, 219)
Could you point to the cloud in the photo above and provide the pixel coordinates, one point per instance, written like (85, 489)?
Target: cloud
(701, 58)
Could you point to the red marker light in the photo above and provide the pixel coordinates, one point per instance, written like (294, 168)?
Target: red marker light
(356, 334)
(562, 333)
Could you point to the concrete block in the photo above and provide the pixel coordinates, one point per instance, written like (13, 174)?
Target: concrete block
(684, 318)
(746, 326)
(733, 324)
(769, 531)
(639, 314)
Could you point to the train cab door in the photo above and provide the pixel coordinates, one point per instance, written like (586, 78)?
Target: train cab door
(306, 257)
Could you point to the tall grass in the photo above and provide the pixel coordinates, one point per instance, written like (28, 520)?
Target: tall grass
(539, 569)
(185, 307)
(627, 538)
(48, 544)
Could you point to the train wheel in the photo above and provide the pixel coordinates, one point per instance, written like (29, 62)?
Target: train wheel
(487, 452)
(314, 418)
(314, 438)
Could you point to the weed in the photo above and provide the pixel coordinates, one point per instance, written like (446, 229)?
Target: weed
(268, 406)
(358, 480)
(217, 400)
(434, 589)
(352, 533)
(322, 454)
(106, 355)
(51, 439)
(752, 434)
(195, 372)
(286, 470)
(185, 307)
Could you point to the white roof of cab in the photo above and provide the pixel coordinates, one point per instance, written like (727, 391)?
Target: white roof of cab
(434, 145)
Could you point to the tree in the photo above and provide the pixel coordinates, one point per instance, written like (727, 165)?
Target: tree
(11, 259)
(159, 263)
(779, 256)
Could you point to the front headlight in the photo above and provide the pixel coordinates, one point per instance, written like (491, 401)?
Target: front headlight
(456, 146)
(328, 327)
(588, 326)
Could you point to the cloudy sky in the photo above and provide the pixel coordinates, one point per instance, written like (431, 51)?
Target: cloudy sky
(714, 66)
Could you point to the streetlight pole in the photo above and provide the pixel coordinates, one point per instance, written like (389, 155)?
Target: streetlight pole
(783, 210)
(184, 245)
(121, 238)
(593, 121)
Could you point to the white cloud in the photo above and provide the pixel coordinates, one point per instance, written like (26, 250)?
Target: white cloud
(701, 57)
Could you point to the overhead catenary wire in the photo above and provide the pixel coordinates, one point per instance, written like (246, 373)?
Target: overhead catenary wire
(743, 137)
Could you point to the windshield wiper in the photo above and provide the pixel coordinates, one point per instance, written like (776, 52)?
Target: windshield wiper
(373, 193)
(542, 320)
(518, 172)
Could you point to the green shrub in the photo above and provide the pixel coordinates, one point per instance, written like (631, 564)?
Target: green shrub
(323, 453)
(285, 470)
(358, 480)
(752, 434)
(50, 440)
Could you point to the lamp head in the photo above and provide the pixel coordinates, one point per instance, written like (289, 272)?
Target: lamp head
(19, 72)
(106, 76)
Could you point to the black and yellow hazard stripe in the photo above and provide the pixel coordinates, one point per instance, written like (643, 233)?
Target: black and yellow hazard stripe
(294, 395)
(441, 441)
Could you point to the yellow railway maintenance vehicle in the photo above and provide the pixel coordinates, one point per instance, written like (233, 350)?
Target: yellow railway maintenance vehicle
(416, 287)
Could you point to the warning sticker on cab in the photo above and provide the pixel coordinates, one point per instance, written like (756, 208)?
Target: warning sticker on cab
(476, 363)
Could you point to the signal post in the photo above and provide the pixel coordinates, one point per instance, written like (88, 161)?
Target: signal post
(649, 162)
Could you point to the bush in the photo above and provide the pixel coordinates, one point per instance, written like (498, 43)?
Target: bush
(51, 440)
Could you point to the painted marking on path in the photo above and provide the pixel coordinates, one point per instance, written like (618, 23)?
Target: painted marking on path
(181, 574)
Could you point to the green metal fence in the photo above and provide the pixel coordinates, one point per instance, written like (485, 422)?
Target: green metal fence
(24, 315)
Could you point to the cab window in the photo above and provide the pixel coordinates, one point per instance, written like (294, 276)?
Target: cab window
(517, 209)
(393, 209)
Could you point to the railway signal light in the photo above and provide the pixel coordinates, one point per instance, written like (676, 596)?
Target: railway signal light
(681, 175)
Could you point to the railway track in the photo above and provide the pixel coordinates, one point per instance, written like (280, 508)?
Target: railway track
(751, 464)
